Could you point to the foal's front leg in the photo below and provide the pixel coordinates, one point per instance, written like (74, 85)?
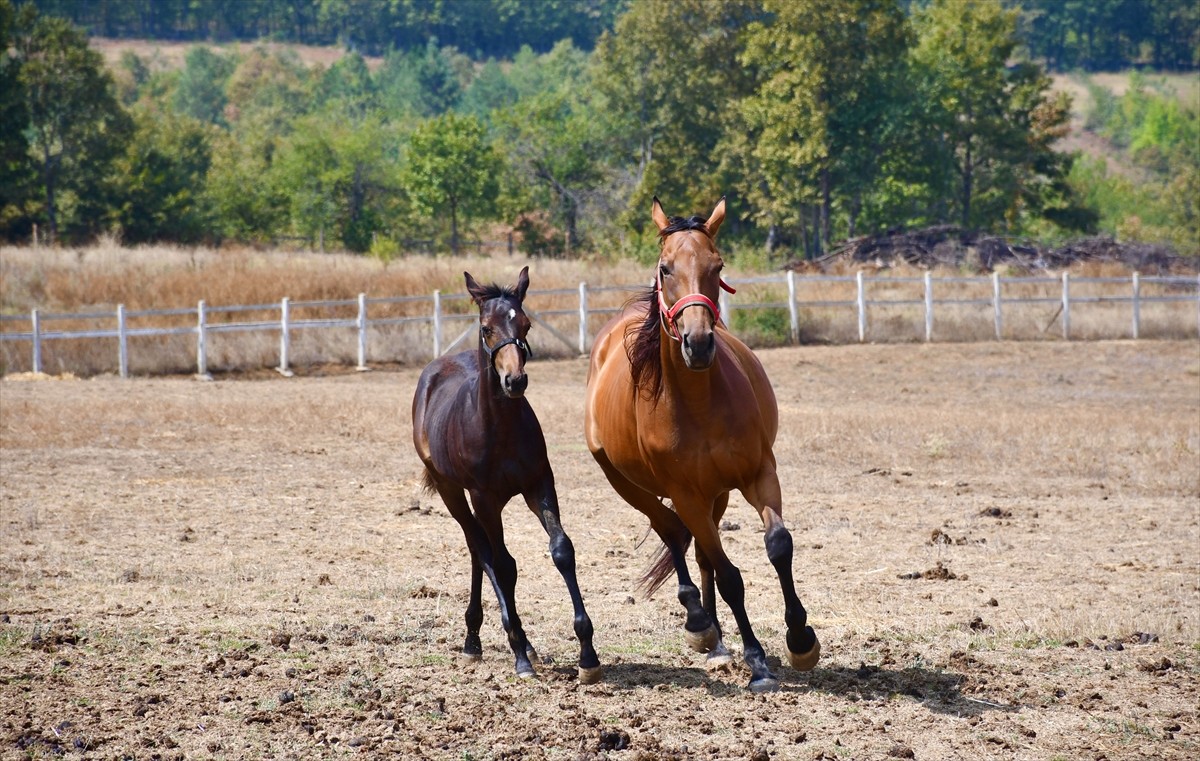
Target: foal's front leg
(544, 504)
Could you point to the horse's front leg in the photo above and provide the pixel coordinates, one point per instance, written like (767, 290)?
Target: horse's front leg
(719, 656)
(804, 649)
(504, 581)
(733, 591)
(544, 504)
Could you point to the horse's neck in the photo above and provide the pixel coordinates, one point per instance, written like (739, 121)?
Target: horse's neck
(681, 385)
(486, 397)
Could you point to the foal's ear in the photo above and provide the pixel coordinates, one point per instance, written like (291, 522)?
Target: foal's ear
(659, 216)
(474, 288)
(716, 218)
(523, 282)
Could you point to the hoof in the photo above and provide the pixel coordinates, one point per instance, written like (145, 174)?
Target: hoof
(766, 684)
(528, 673)
(470, 657)
(719, 659)
(589, 676)
(702, 642)
(806, 661)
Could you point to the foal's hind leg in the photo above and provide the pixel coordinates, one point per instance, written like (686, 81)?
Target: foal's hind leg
(504, 580)
(545, 507)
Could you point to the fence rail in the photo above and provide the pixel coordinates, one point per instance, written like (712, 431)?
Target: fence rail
(870, 293)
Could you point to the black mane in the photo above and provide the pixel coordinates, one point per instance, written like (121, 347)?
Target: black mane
(676, 224)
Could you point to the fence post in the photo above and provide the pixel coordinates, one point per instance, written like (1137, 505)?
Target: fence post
(1066, 304)
(723, 305)
(928, 306)
(201, 343)
(122, 342)
(1137, 305)
(285, 337)
(793, 311)
(583, 318)
(437, 324)
(997, 316)
(862, 307)
(362, 333)
(36, 327)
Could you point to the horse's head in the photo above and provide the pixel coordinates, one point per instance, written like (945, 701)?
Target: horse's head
(503, 326)
(689, 275)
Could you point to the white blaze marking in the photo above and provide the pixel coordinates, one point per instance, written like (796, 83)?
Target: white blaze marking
(512, 313)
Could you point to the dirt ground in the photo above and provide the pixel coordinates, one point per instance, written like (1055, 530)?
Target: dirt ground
(998, 544)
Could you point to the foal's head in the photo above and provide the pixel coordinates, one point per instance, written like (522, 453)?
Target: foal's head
(503, 326)
(689, 282)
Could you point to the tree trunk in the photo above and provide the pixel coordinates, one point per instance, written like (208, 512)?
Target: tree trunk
(967, 176)
(826, 210)
(454, 227)
(48, 178)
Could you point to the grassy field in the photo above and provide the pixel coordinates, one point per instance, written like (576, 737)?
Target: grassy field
(996, 543)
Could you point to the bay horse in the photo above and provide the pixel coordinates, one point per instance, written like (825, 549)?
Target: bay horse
(678, 408)
(477, 434)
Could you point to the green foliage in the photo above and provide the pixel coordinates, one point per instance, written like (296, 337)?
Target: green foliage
(763, 327)
(76, 125)
(163, 174)
(1162, 138)
(200, 91)
(451, 170)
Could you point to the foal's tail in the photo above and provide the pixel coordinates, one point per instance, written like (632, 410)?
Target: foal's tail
(661, 567)
(427, 482)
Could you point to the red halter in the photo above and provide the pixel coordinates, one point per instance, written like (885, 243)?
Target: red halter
(669, 315)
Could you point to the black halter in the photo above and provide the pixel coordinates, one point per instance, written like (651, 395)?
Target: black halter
(491, 350)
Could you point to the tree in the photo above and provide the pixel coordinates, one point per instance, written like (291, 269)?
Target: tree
(553, 144)
(666, 80)
(163, 175)
(16, 168)
(451, 169)
(822, 116)
(200, 92)
(996, 122)
(78, 128)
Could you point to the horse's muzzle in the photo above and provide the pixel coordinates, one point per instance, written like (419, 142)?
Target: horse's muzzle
(699, 348)
(514, 385)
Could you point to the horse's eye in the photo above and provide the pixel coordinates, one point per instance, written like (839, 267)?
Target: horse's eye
(664, 270)
(487, 332)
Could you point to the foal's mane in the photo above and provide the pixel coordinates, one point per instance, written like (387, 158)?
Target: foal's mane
(643, 350)
(494, 291)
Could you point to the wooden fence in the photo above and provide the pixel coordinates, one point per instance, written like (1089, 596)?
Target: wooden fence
(860, 294)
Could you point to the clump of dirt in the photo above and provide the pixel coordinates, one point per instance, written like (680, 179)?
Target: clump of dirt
(951, 246)
(938, 573)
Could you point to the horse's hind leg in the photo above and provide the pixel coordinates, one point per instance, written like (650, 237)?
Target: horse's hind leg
(804, 650)
(504, 580)
(803, 647)
(699, 631)
(477, 544)
(562, 550)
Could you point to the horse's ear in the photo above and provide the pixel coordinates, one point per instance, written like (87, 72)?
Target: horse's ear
(474, 289)
(716, 218)
(523, 282)
(660, 217)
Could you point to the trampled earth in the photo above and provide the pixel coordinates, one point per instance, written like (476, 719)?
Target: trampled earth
(998, 545)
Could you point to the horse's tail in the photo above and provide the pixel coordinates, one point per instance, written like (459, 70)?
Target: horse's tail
(427, 482)
(661, 567)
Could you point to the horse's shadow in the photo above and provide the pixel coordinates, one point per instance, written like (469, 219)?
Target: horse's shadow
(940, 691)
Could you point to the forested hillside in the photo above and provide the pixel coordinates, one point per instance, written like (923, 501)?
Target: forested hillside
(441, 122)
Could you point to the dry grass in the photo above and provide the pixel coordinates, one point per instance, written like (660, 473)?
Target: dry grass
(178, 529)
(96, 279)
